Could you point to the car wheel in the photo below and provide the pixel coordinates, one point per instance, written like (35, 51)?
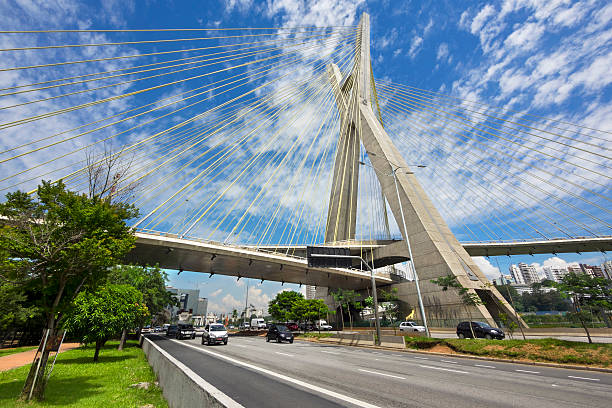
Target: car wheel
(225, 342)
(202, 340)
(209, 343)
(267, 339)
(290, 341)
(461, 336)
(278, 340)
(488, 337)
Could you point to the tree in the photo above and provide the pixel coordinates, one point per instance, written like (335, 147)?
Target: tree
(586, 291)
(151, 282)
(234, 316)
(309, 309)
(347, 299)
(98, 316)
(14, 308)
(389, 303)
(469, 299)
(55, 243)
(280, 307)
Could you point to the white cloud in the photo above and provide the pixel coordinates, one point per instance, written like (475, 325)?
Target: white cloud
(490, 271)
(216, 293)
(442, 54)
(415, 46)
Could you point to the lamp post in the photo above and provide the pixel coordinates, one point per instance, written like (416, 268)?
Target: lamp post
(414, 273)
(395, 168)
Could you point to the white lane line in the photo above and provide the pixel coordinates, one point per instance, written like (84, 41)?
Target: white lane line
(449, 361)
(483, 365)
(285, 354)
(583, 378)
(240, 345)
(271, 373)
(383, 374)
(329, 352)
(444, 369)
(528, 371)
(422, 358)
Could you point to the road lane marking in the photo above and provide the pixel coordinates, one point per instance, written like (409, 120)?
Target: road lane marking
(240, 345)
(449, 361)
(583, 378)
(422, 358)
(485, 366)
(444, 369)
(203, 384)
(285, 354)
(283, 377)
(328, 352)
(528, 371)
(383, 374)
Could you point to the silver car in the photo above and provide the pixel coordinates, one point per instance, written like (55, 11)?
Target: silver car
(214, 333)
(411, 327)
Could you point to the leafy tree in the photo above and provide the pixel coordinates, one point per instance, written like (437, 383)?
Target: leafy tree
(98, 316)
(469, 299)
(15, 309)
(586, 292)
(55, 243)
(280, 307)
(347, 299)
(151, 282)
(234, 315)
(512, 296)
(309, 309)
(389, 304)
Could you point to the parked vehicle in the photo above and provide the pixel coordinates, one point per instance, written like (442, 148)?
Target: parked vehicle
(185, 331)
(306, 326)
(279, 332)
(172, 330)
(411, 327)
(258, 324)
(291, 326)
(214, 333)
(146, 329)
(481, 330)
(158, 329)
(322, 325)
(244, 326)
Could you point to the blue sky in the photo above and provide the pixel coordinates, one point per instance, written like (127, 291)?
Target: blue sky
(549, 58)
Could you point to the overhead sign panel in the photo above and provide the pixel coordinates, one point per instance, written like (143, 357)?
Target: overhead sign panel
(328, 257)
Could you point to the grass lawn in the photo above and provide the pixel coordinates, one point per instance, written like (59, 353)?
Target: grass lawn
(79, 382)
(315, 335)
(546, 350)
(7, 351)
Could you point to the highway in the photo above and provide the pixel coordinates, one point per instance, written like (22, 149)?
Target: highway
(258, 374)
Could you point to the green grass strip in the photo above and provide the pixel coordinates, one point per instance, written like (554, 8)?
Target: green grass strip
(14, 350)
(79, 382)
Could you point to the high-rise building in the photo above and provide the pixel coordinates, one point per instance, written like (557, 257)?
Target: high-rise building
(555, 273)
(574, 269)
(607, 268)
(310, 291)
(524, 274)
(593, 270)
(516, 274)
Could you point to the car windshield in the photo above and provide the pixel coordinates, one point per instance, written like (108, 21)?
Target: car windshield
(482, 324)
(186, 327)
(282, 328)
(217, 327)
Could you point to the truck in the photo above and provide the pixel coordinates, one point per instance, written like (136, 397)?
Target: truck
(258, 324)
(322, 325)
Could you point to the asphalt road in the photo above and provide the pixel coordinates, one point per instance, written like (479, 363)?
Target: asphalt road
(259, 374)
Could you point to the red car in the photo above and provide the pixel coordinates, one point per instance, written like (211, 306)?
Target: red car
(292, 326)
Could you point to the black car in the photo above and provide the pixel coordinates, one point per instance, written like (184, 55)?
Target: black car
(185, 331)
(481, 330)
(279, 332)
(172, 330)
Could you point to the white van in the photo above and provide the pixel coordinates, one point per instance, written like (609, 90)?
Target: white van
(322, 325)
(258, 324)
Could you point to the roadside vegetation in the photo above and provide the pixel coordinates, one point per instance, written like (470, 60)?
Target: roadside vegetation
(79, 382)
(542, 350)
(315, 335)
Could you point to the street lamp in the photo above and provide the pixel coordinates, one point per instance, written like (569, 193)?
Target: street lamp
(414, 273)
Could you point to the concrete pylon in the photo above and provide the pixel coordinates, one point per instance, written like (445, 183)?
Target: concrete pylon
(436, 250)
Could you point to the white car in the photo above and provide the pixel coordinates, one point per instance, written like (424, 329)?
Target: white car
(214, 333)
(411, 327)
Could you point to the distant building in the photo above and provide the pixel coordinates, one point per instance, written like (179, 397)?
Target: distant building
(202, 307)
(554, 273)
(524, 274)
(607, 268)
(188, 300)
(593, 270)
(310, 291)
(574, 269)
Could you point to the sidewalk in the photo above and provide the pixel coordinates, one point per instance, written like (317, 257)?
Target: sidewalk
(20, 359)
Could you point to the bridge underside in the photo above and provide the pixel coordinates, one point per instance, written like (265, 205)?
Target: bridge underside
(180, 254)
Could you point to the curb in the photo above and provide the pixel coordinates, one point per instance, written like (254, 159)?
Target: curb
(468, 356)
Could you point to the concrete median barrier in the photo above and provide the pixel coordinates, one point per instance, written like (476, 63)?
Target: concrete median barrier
(393, 341)
(180, 385)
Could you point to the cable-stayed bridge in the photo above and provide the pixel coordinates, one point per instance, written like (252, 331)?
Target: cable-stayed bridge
(245, 145)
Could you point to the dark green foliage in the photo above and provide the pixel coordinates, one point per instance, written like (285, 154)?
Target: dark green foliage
(100, 315)
(280, 308)
(309, 310)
